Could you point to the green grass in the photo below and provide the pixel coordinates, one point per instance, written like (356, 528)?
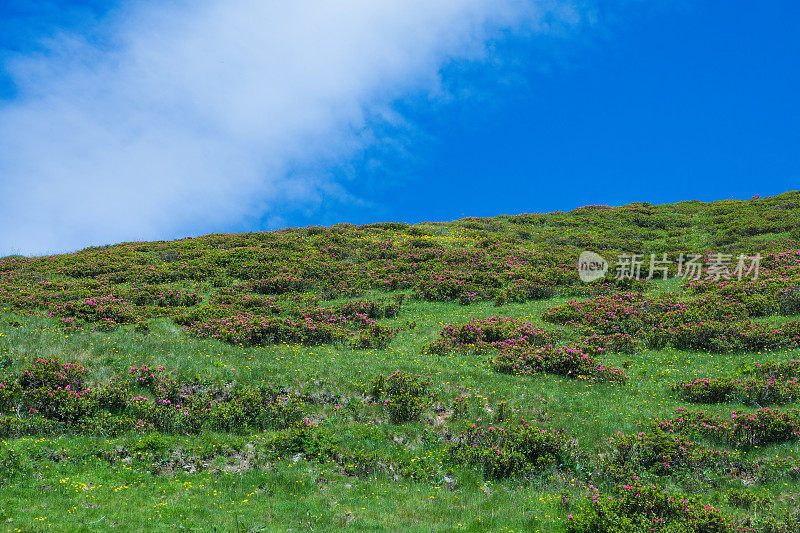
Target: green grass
(68, 483)
(355, 469)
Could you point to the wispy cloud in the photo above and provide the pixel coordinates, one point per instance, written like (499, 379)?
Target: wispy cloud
(181, 117)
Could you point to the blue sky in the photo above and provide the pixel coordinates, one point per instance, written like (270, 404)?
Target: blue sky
(700, 102)
(515, 107)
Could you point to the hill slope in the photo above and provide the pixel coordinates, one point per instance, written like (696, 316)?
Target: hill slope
(440, 376)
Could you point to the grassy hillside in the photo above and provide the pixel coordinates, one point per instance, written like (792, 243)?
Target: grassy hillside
(449, 376)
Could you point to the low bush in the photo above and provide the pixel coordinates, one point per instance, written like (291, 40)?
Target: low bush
(566, 361)
(740, 429)
(527, 349)
(661, 453)
(51, 396)
(481, 335)
(708, 322)
(404, 396)
(518, 449)
(638, 508)
(758, 391)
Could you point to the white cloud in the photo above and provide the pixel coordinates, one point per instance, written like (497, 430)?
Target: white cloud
(187, 116)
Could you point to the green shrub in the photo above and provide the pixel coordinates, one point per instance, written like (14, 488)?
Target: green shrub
(789, 302)
(740, 429)
(374, 336)
(516, 450)
(404, 396)
(758, 391)
(48, 392)
(661, 453)
(746, 499)
(638, 508)
(12, 464)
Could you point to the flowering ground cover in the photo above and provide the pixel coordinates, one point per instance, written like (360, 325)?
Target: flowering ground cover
(443, 376)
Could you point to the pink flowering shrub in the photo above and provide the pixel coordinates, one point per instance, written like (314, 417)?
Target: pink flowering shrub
(518, 449)
(249, 330)
(53, 374)
(784, 369)
(256, 320)
(759, 391)
(708, 322)
(481, 335)
(568, 361)
(761, 384)
(635, 507)
(373, 336)
(661, 453)
(523, 348)
(108, 311)
(50, 396)
(308, 326)
(740, 429)
(49, 388)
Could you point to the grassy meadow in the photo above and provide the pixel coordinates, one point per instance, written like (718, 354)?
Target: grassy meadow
(438, 377)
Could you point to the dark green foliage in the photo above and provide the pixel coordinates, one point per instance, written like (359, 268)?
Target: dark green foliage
(661, 453)
(50, 396)
(638, 508)
(757, 391)
(12, 464)
(740, 429)
(523, 348)
(515, 450)
(404, 396)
